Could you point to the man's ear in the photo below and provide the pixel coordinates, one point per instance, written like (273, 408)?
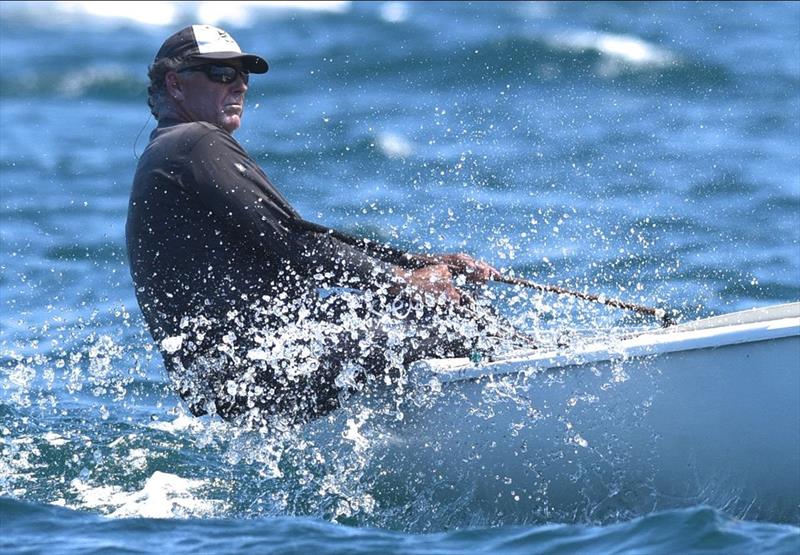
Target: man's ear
(173, 84)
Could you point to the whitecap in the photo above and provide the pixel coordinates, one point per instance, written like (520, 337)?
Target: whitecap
(393, 145)
(145, 13)
(242, 14)
(162, 496)
(616, 49)
(394, 12)
(159, 14)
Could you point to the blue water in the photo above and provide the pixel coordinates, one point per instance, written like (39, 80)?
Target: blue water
(646, 151)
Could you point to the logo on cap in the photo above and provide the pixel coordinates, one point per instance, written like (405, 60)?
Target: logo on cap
(212, 39)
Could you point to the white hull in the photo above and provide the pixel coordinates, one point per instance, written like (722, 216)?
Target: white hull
(704, 413)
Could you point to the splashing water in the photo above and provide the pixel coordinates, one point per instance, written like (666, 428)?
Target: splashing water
(356, 465)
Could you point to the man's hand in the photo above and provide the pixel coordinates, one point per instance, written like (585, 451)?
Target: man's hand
(463, 264)
(435, 280)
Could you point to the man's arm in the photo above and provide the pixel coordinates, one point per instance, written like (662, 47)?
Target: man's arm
(458, 264)
(432, 274)
(239, 194)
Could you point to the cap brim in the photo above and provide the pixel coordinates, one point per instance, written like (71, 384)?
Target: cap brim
(250, 62)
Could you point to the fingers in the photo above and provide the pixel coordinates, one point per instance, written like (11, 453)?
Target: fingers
(482, 272)
(438, 280)
(434, 280)
(475, 271)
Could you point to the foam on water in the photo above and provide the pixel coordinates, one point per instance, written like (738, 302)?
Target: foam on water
(163, 495)
(161, 14)
(242, 14)
(618, 53)
(627, 48)
(394, 145)
(395, 12)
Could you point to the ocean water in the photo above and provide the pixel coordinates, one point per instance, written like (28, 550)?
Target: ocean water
(648, 151)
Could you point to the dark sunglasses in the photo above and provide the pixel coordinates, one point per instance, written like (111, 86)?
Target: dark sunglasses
(220, 73)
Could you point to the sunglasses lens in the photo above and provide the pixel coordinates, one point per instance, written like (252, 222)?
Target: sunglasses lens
(226, 74)
(221, 74)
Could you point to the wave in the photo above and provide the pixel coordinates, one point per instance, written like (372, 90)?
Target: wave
(100, 81)
(702, 530)
(475, 64)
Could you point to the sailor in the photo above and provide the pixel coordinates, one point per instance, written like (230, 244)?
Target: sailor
(229, 276)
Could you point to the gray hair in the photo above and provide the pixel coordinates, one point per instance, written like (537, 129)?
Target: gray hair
(158, 87)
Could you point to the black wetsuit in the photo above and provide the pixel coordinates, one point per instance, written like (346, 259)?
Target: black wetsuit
(209, 238)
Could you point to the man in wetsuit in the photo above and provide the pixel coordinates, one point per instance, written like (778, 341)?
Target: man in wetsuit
(227, 273)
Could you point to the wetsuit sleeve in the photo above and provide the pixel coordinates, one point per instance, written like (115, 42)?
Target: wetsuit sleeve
(237, 192)
(331, 262)
(374, 249)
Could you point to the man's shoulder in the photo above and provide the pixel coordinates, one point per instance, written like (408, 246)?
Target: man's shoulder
(204, 136)
(188, 132)
(175, 144)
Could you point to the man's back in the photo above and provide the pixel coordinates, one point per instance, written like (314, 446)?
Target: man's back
(187, 260)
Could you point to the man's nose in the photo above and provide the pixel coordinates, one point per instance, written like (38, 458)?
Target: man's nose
(240, 84)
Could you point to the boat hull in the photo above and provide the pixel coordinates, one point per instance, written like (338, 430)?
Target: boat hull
(605, 437)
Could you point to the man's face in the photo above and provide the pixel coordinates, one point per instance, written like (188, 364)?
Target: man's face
(208, 100)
